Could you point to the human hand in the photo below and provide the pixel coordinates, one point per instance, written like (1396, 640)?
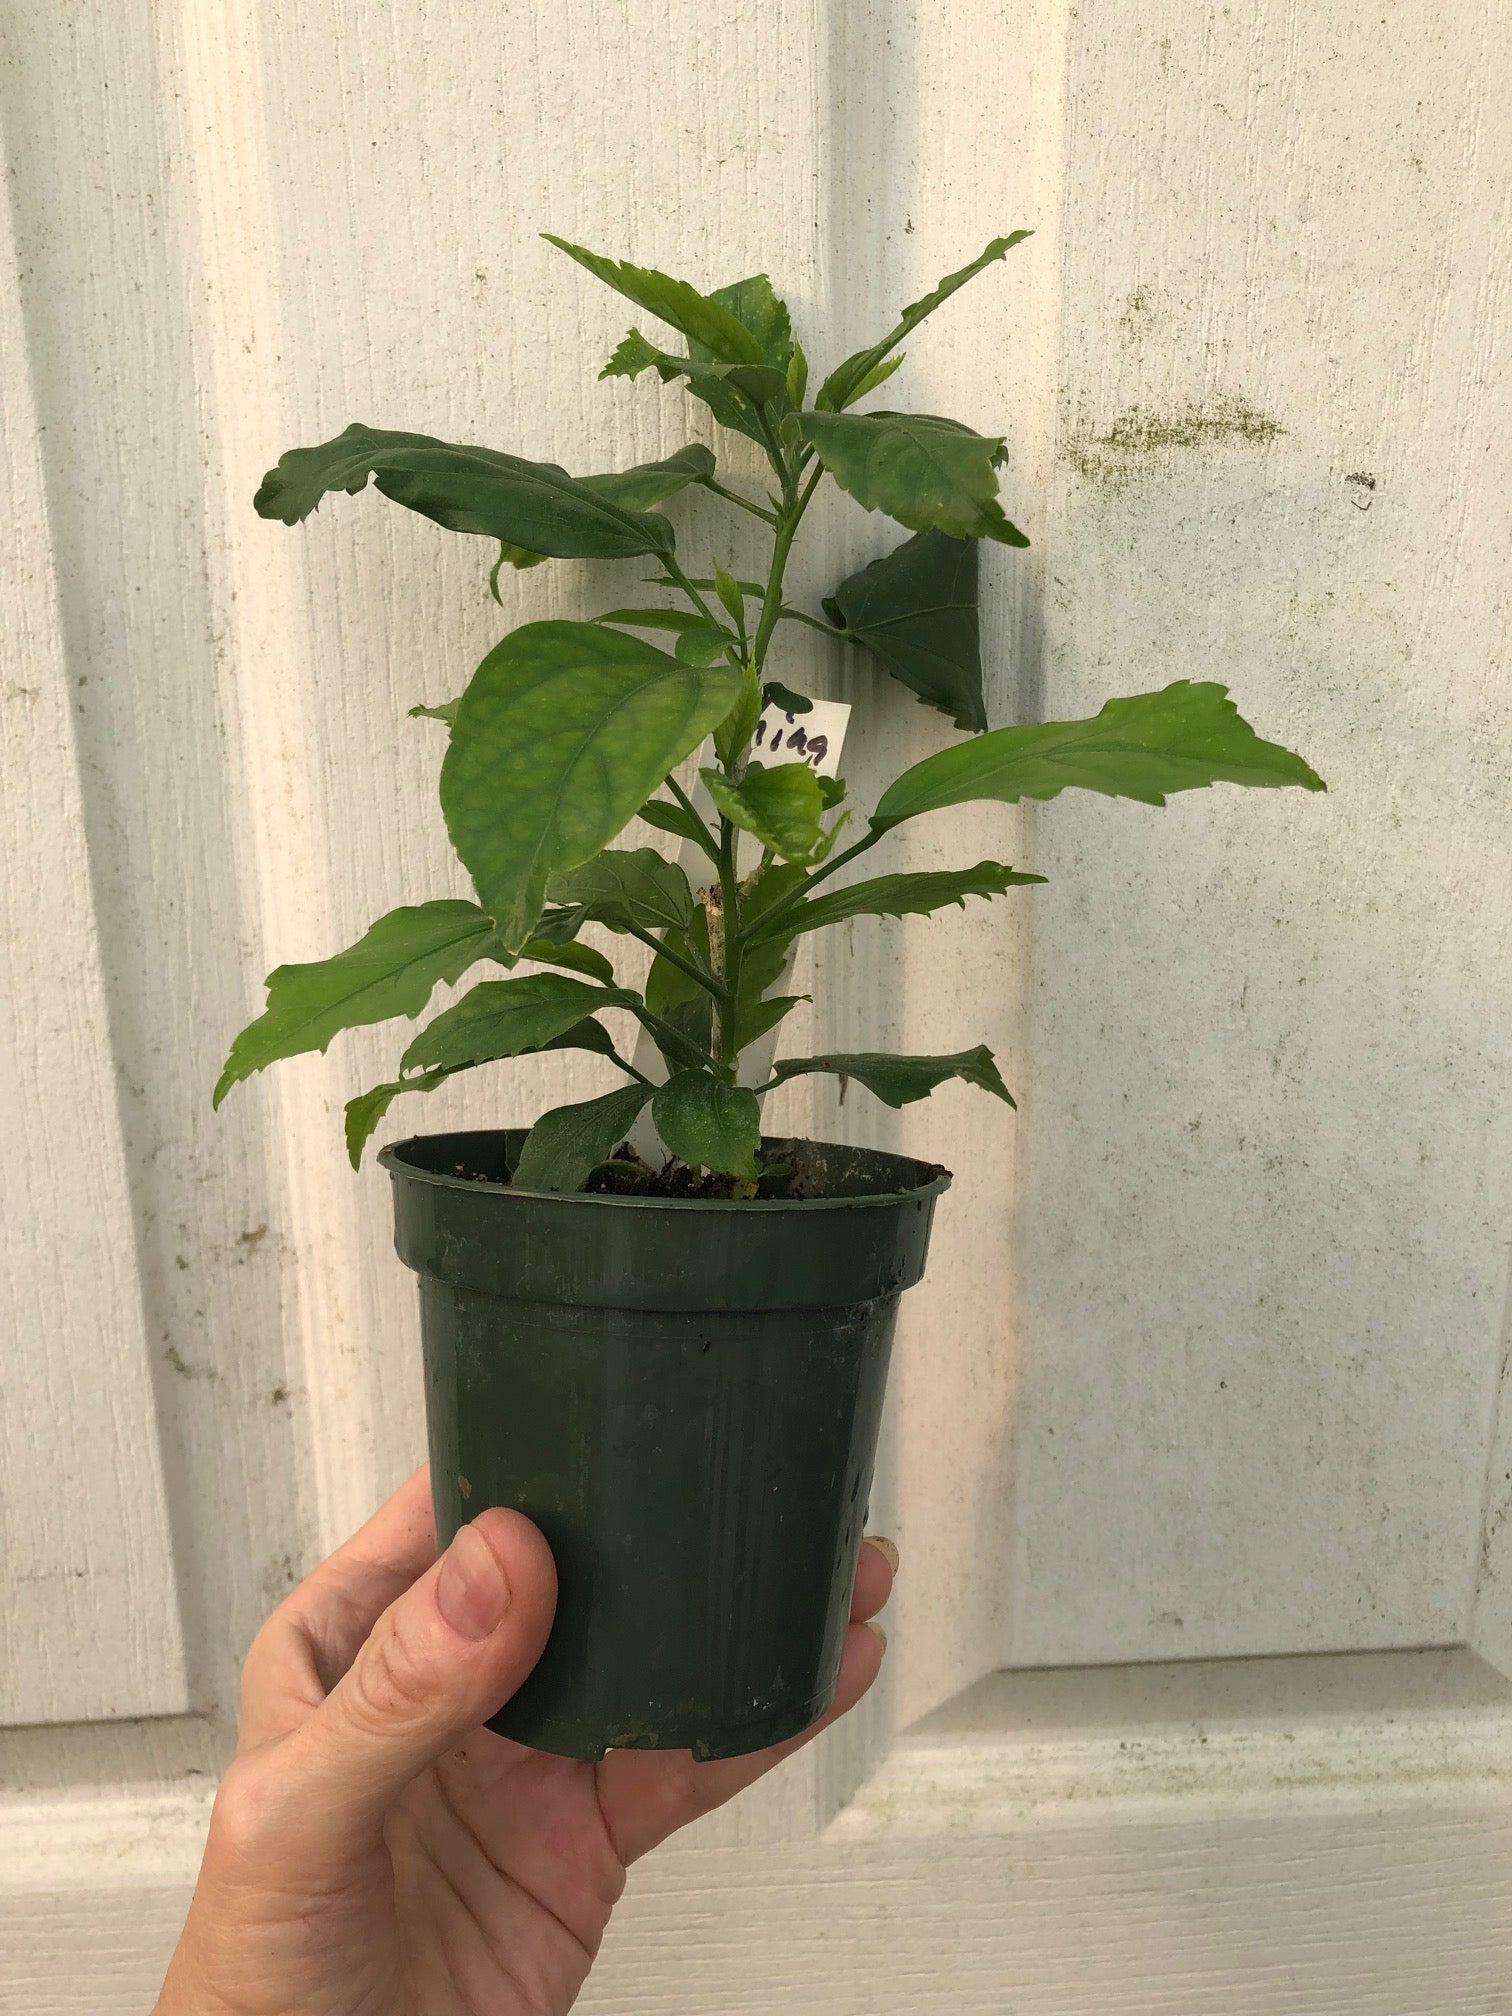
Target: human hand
(373, 1850)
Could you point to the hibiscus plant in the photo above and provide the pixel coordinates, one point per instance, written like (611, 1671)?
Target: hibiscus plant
(568, 731)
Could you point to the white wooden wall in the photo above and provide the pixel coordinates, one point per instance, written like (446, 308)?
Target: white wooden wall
(1208, 1363)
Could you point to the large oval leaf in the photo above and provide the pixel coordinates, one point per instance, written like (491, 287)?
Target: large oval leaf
(780, 806)
(533, 506)
(391, 970)
(562, 735)
(924, 471)
(708, 1124)
(567, 1144)
(1184, 737)
(916, 608)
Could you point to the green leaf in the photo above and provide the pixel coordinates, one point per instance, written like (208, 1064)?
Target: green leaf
(754, 304)
(364, 1113)
(916, 608)
(754, 1018)
(507, 1018)
(533, 505)
(896, 896)
(736, 729)
(574, 958)
(843, 385)
(702, 319)
(781, 806)
(797, 377)
(564, 732)
(878, 375)
(654, 619)
(446, 711)
(730, 391)
(566, 1145)
(730, 593)
(899, 1080)
(625, 888)
(637, 489)
(672, 818)
(1184, 737)
(391, 970)
(774, 694)
(709, 1125)
(926, 472)
(702, 644)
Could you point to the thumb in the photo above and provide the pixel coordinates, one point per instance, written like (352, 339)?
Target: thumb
(438, 1662)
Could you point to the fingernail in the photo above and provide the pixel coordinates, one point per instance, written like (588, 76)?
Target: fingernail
(877, 1632)
(471, 1592)
(889, 1548)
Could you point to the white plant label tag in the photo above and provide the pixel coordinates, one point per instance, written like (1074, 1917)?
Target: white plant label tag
(814, 738)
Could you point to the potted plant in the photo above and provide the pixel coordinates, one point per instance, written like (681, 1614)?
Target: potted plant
(673, 1357)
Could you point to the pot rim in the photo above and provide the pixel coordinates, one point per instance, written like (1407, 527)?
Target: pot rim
(937, 1180)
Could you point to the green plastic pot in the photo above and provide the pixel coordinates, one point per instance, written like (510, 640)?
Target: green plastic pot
(684, 1397)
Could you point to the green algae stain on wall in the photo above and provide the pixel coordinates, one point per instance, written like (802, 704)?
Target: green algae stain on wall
(1142, 441)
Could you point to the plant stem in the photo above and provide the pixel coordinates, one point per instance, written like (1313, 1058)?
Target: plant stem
(771, 608)
(732, 497)
(668, 1038)
(626, 1066)
(785, 614)
(671, 567)
(689, 967)
(706, 839)
(729, 953)
(786, 904)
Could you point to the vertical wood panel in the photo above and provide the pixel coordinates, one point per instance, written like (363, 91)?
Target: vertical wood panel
(89, 1618)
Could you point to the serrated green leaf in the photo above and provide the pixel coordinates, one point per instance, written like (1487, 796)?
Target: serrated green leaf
(730, 391)
(1184, 737)
(781, 806)
(916, 609)
(701, 318)
(925, 471)
(532, 505)
(392, 970)
(707, 1124)
(566, 1145)
(628, 888)
(507, 1018)
(564, 732)
(842, 385)
(702, 644)
(763, 312)
(446, 711)
(897, 1081)
(898, 896)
